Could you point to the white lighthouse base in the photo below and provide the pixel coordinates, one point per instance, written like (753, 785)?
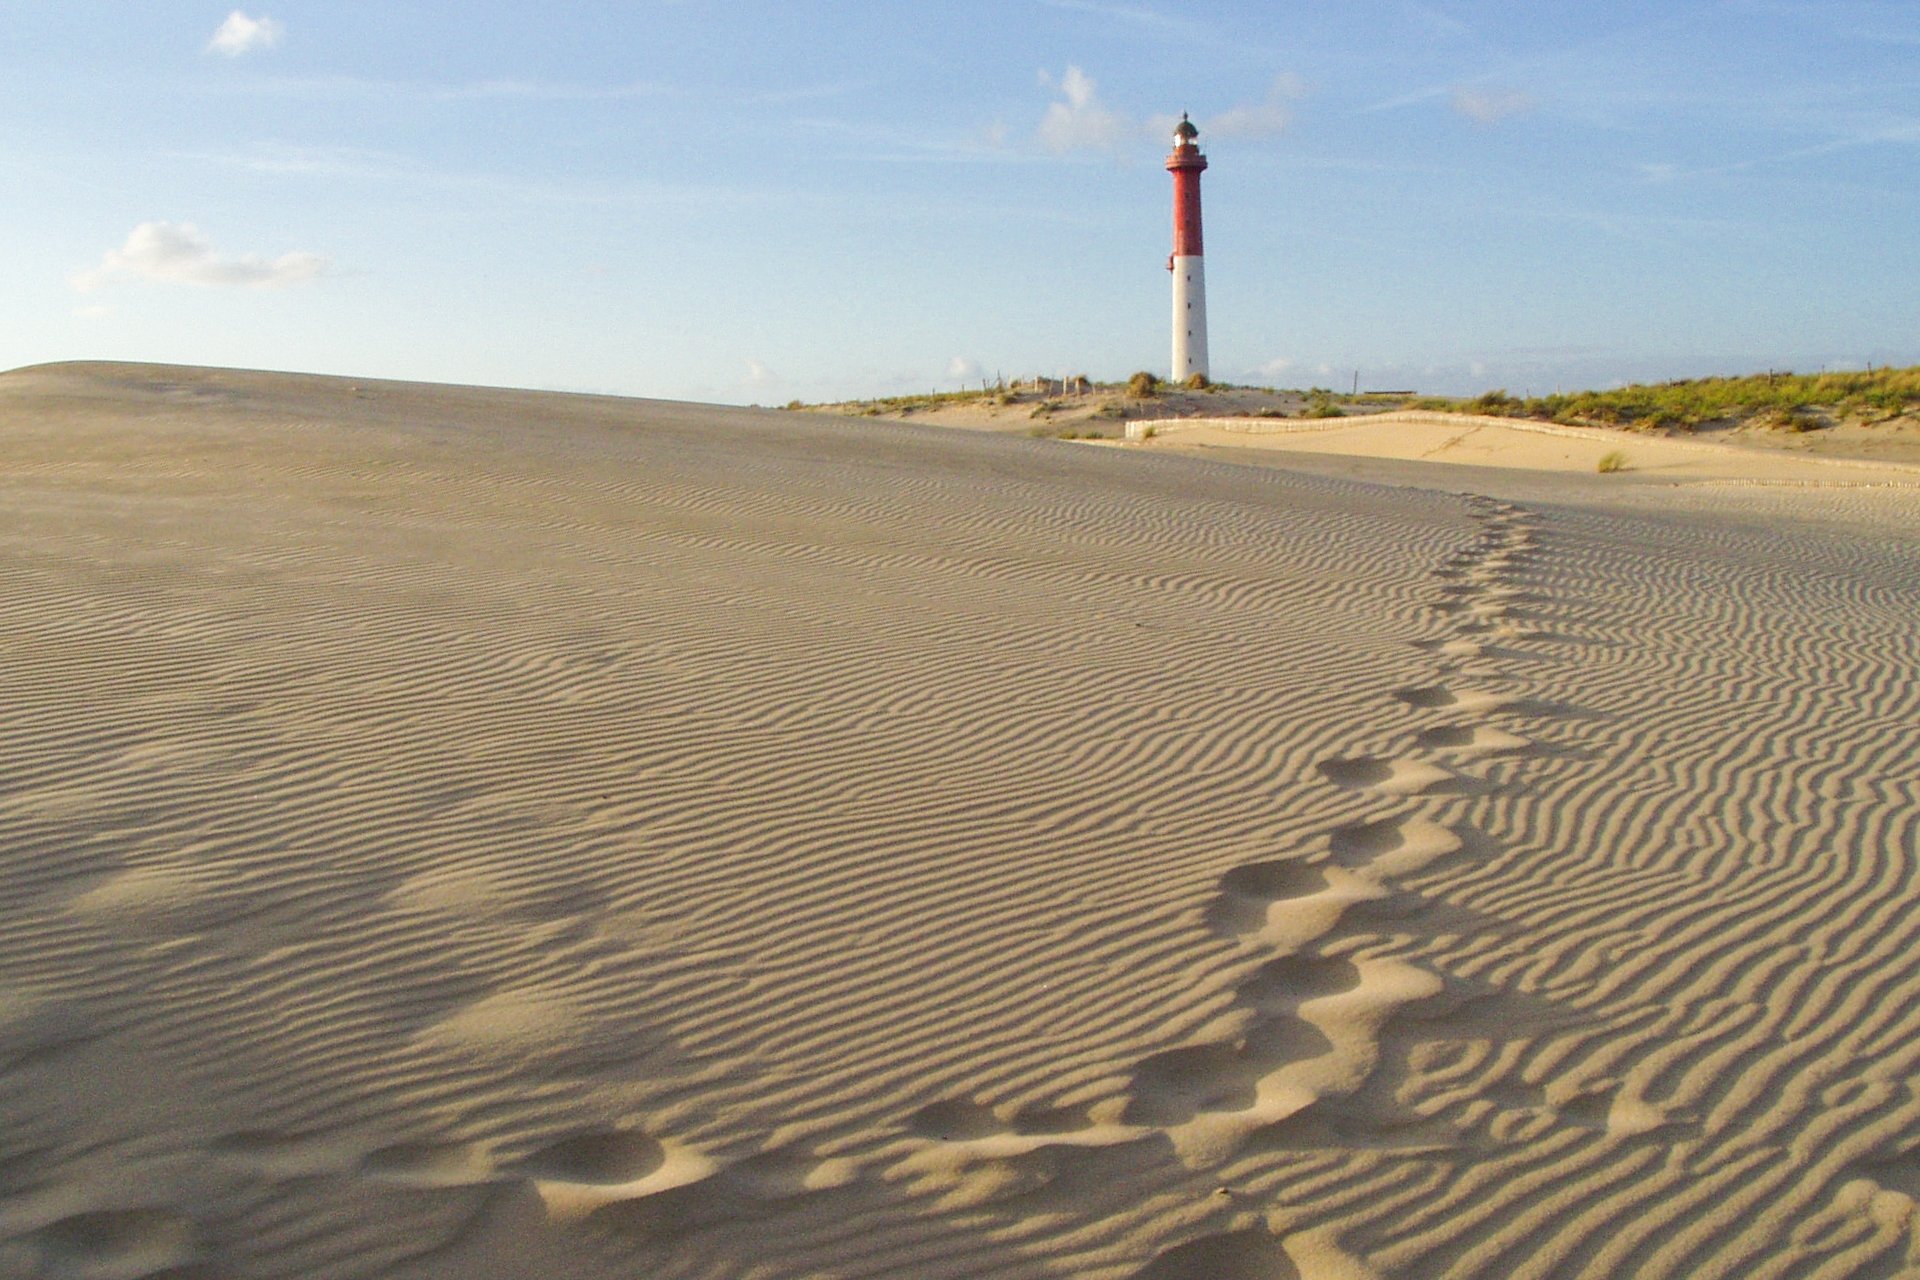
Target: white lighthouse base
(1189, 317)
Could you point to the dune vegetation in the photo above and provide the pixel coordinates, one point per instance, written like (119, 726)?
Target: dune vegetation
(1792, 400)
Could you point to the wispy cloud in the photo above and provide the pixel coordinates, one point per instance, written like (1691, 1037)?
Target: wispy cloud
(1490, 106)
(510, 89)
(1079, 121)
(1247, 121)
(1434, 21)
(292, 159)
(1890, 132)
(241, 34)
(178, 253)
(1888, 22)
(419, 173)
(1135, 14)
(887, 143)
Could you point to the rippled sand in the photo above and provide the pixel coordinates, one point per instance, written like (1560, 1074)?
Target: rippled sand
(467, 833)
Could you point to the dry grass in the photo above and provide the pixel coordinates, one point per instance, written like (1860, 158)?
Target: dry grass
(1798, 402)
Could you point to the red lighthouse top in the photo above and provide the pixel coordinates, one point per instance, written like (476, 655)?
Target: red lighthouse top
(1185, 164)
(1186, 152)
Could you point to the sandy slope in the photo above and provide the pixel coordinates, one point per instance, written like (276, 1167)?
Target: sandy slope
(463, 833)
(1523, 445)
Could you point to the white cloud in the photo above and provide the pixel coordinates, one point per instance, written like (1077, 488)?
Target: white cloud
(961, 369)
(758, 375)
(1275, 367)
(1081, 121)
(1490, 106)
(177, 253)
(1252, 121)
(240, 34)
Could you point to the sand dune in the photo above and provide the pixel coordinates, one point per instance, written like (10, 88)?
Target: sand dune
(451, 832)
(1519, 444)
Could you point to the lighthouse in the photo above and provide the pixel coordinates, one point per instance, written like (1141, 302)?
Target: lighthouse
(1187, 263)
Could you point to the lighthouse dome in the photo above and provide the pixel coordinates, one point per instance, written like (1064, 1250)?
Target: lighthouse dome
(1185, 131)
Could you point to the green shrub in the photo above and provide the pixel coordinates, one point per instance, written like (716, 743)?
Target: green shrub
(1320, 405)
(1691, 402)
(1612, 462)
(1143, 385)
(1802, 417)
(1196, 382)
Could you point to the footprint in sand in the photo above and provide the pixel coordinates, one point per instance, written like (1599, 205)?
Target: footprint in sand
(1394, 777)
(117, 1244)
(1175, 1085)
(591, 1171)
(1462, 648)
(1316, 1032)
(1281, 985)
(963, 1120)
(1286, 904)
(687, 1193)
(1247, 894)
(1427, 697)
(975, 1155)
(1479, 740)
(956, 1120)
(600, 1158)
(1393, 846)
(1468, 700)
(1249, 1254)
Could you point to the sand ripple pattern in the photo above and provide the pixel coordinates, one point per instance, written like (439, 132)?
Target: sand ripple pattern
(448, 832)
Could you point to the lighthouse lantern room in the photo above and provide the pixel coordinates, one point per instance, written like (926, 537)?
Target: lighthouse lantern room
(1187, 262)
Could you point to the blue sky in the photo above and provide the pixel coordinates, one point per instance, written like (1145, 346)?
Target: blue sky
(751, 202)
